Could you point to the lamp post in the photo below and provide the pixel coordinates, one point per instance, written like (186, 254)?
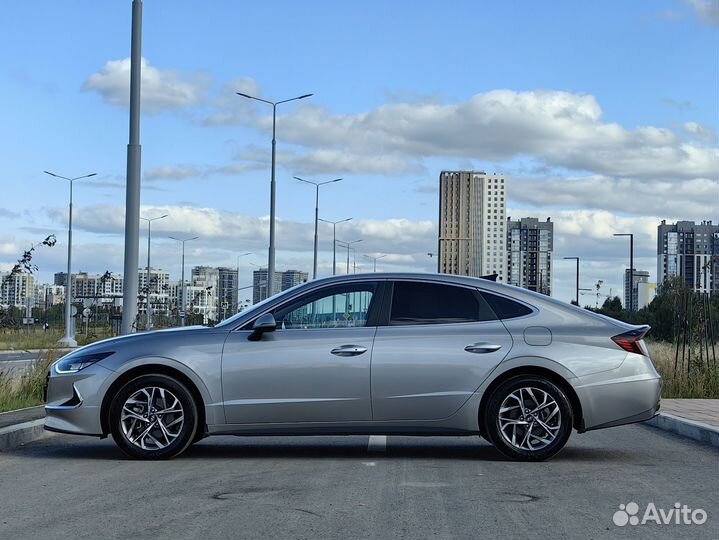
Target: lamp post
(577, 284)
(317, 215)
(68, 340)
(238, 277)
(334, 240)
(348, 244)
(148, 324)
(182, 279)
(271, 254)
(375, 260)
(132, 189)
(631, 268)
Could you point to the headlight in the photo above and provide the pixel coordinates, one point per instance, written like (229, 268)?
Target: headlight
(74, 363)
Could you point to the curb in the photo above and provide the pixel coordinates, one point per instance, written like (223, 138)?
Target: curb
(686, 428)
(19, 434)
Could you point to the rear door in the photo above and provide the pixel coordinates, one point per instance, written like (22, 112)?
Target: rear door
(440, 342)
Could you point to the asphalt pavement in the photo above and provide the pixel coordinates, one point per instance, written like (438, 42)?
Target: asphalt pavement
(356, 487)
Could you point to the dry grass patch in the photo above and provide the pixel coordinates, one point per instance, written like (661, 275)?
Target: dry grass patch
(25, 390)
(695, 379)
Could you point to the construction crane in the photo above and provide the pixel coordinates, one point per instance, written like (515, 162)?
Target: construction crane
(597, 293)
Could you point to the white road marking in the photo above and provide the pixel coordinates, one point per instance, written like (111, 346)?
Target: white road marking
(377, 443)
(370, 463)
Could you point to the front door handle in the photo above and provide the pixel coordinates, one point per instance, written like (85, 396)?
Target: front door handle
(349, 350)
(482, 348)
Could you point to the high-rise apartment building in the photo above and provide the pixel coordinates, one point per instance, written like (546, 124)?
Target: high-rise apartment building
(159, 291)
(472, 233)
(530, 243)
(16, 289)
(690, 251)
(283, 281)
(227, 294)
(92, 289)
(631, 288)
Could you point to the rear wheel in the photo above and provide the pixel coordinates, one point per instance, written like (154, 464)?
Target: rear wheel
(153, 417)
(528, 418)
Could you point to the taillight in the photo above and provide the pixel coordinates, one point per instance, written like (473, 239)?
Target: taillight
(632, 341)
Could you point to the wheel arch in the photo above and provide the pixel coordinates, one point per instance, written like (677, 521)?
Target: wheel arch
(552, 375)
(151, 369)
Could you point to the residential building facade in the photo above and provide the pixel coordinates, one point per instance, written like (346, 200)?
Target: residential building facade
(631, 287)
(17, 289)
(90, 289)
(159, 291)
(530, 244)
(690, 251)
(228, 288)
(283, 281)
(472, 233)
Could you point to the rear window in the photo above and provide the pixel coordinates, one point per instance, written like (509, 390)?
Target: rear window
(434, 303)
(504, 307)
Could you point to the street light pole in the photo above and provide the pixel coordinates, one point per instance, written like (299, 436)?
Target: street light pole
(271, 254)
(132, 191)
(631, 268)
(576, 259)
(182, 279)
(317, 213)
(375, 260)
(348, 244)
(148, 324)
(334, 241)
(68, 340)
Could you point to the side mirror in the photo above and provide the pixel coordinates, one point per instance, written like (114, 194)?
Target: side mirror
(263, 323)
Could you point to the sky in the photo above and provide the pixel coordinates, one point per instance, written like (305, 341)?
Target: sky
(602, 116)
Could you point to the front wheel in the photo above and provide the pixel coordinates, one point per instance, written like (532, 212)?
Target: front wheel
(153, 417)
(528, 418)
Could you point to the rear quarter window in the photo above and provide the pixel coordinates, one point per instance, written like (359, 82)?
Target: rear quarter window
(504, 307)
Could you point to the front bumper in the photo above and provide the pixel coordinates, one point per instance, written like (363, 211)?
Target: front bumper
(74, 401)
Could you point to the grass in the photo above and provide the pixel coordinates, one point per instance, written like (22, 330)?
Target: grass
(701, 381)
(26, 390)
(21, 340)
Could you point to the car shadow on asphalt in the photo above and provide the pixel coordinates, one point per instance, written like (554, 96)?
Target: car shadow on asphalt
(350, 448)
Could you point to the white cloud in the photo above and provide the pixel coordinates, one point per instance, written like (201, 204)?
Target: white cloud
(685, 199)
(700, 132)
(184, 172)
(706, 10)
(161, 89)
(231, 109)
(227, 230)
(559, 129)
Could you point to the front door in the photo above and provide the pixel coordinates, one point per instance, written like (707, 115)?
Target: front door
(315, 367)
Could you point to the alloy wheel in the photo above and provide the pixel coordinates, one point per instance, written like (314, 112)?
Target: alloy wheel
(529, 419)
(152, 418)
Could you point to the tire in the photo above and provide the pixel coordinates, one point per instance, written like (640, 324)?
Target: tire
(166, 434)
(534, 432)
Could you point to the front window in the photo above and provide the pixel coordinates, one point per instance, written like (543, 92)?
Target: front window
(343, 306)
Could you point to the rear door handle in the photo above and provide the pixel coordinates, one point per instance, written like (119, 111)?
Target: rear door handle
(481, 348)
(349, 350)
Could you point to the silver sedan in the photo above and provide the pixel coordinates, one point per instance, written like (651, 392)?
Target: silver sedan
(389, 354)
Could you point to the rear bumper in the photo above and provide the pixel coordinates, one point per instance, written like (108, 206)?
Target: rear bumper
(629, 394)
(641, 417)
